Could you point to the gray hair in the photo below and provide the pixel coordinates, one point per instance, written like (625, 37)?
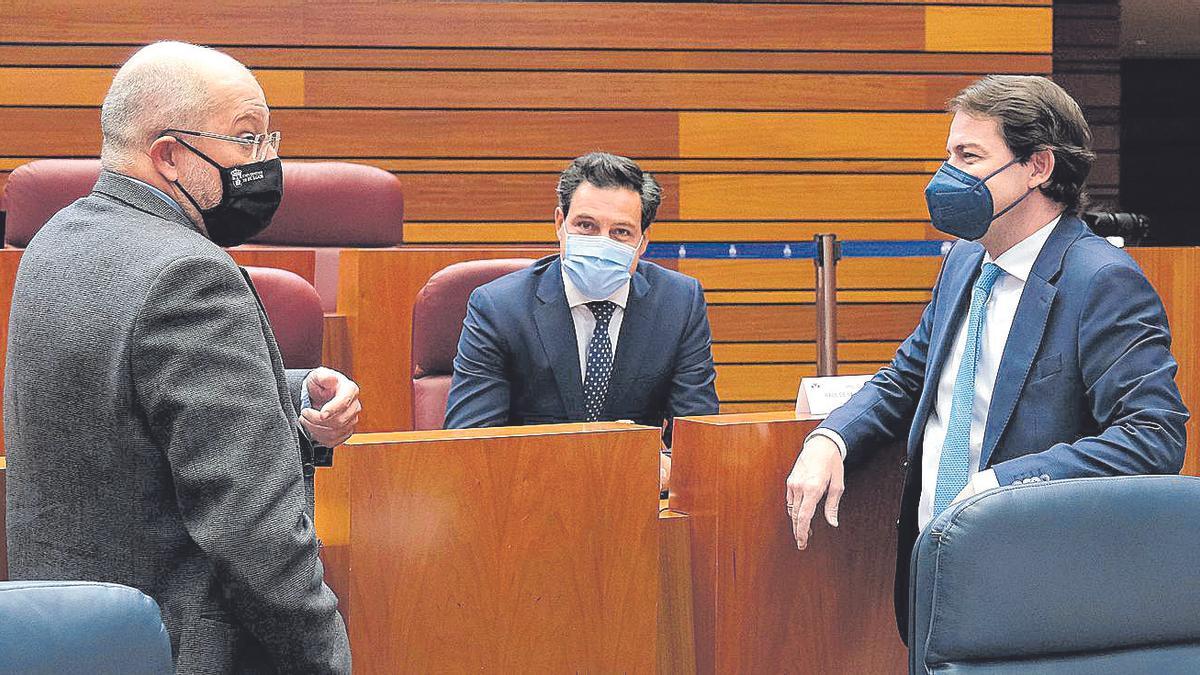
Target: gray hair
(610, 171)
(161, 86)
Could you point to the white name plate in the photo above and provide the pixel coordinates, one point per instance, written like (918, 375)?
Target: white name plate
(822, 395)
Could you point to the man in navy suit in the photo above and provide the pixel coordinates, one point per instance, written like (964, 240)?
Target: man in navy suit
(593, 333)
(1044, 352)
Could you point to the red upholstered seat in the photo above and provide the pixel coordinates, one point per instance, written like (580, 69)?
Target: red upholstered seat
(337, 204)
(294, 310)
(437, 322)
(38, 190)
(324, 203)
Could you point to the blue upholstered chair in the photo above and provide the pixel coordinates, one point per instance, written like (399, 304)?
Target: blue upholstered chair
(1095, 576)
(80, 627)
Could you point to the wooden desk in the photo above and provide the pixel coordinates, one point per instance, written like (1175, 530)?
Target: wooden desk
(522, 549)
(761, 606)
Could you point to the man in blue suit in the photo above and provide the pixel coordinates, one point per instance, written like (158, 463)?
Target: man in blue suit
(593, 333)
(1044, 352)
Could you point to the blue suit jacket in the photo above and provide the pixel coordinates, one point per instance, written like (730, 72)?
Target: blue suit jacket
(518, 359)
(1086, 382)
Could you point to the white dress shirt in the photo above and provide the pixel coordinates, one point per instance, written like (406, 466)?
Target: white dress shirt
(1001, 309)
(999, 312)
(585, 322)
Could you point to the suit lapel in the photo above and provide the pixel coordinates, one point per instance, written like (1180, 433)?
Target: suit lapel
(637, 327)
(947, 318)
(1024, 340)
(556, 330)
(1025, 336)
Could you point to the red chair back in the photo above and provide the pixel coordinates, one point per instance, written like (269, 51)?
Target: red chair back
(324, 203)
(437, 323)
(294, 311)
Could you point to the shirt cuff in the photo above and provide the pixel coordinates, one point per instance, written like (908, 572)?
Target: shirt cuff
(305, 399)
(305, 402)
(986, 480)
(831, 435)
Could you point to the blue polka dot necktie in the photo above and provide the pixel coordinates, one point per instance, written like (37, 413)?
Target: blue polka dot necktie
(599, 360)
(954, 468)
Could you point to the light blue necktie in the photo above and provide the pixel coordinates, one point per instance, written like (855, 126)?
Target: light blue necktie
(954, 468)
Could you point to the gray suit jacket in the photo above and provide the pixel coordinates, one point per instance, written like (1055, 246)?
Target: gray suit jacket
(152, 438)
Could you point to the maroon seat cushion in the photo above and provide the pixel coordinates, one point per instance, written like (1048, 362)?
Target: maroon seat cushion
(38, 190)
(294, 310)
(337, 204)
(430, 394)
(324, 203)
(437, 322)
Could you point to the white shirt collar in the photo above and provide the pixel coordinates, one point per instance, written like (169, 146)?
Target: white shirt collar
(575, 298)
(1018, 260)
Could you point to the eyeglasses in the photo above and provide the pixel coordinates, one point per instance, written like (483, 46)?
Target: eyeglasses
(262, 146)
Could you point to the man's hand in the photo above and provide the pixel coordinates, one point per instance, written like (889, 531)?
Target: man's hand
(818, 473)
(335, 398)
(664, 471)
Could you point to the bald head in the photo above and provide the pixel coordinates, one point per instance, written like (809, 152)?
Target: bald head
(164, 85)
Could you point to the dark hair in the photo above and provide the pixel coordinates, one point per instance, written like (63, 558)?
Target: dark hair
(1036, 114)
(610, 171)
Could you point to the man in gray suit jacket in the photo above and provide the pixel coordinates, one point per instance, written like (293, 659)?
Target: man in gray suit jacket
(152, 431)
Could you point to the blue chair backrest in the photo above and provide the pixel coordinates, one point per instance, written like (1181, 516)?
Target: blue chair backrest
(1093, 575)
(80, 627)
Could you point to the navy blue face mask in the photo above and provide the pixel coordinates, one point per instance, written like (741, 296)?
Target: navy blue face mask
(961, 204)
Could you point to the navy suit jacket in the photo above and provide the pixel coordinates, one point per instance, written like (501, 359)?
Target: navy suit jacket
(1086, 385)
(518, 358)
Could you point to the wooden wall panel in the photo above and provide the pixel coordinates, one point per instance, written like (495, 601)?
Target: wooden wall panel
(542, 231)
(483, 24)
(806, 197)
(521, 197)
(774, 323)
(812, 135)
(763, 121)
(426, 88)
(988, 29)
(682, 60)
(9, 261)
(1175, 274)
(87, 86)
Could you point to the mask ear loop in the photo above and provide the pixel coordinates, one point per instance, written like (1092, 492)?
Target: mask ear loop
(202, 156)
(1013, 205)
(981, 180)
(199, 154)
(189, 196)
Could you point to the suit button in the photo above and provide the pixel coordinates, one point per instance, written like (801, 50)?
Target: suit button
(897, 523)
(309, 470)
(904, 465)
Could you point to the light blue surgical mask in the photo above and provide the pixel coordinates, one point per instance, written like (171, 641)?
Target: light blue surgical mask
(597, 265)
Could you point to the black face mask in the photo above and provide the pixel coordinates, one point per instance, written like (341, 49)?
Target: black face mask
(250, 194)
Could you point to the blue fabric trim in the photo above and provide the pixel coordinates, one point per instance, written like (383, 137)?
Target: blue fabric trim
(801, 250)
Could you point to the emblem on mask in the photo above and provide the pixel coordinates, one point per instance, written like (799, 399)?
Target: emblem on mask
(237, 177)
